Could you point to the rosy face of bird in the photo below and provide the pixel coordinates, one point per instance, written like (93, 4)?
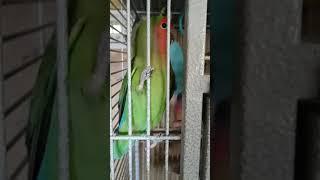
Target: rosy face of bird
(161, 36)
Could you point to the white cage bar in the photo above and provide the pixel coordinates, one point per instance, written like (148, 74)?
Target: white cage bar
(148, 87)
(168, 90)
(145, 138)
(129, 85)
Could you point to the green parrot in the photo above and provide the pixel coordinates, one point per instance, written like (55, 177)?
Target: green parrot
(140, 73)
(88, 101)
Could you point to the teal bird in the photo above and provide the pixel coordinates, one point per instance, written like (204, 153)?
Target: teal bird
(177, 63)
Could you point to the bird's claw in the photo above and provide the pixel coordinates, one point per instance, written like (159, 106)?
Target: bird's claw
(146, 74)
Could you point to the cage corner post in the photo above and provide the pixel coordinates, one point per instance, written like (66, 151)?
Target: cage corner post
(196, 84)
(3, 159)
(62, 66)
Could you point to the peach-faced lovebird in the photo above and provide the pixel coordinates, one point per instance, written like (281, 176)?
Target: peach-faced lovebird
(87, 100)
(140, 72)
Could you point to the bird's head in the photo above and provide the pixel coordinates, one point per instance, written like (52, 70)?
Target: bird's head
(161, 28)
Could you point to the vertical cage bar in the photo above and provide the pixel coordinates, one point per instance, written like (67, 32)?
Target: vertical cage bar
(195, 85)
(148, 88)
(143, 161)
(168, 90)
(122, 5)
(122, 55)
(112, 168)
(62, 54)
(137, 160)
(129, 86)
(3, 159)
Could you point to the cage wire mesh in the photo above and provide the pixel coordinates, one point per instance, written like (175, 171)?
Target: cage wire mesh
(22, 43)
(162, 161)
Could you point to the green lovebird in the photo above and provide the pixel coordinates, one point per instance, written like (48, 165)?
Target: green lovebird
(140, 72)
(88, 101)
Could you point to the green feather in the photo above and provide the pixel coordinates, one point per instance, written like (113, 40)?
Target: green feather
(42, 101)
(88, 132)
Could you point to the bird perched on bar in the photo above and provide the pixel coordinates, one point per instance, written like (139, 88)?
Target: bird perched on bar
(140, 73)
(177, 63)
(87, 98)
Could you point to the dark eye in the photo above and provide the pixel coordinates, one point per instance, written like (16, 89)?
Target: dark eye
(164, 25)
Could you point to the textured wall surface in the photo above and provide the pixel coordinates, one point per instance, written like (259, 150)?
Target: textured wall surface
(274, 70)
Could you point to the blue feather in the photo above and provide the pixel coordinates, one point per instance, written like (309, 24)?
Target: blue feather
(177, 63)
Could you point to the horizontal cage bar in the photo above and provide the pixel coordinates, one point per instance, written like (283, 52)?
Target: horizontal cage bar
(19, 168)
(26, 32)
(115, 94)
(16, 138)
(118, 31)
(117, 51)
(22, 67)
(15, 2)
(117, 41)
(119, 11)
(118, 21)
(115, 105)
(118, 61)
(119, 81)
(144, 137)
(112, 73)
(17, 103)
(114, 117)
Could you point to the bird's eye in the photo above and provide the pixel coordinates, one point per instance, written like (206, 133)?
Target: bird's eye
(164, 25)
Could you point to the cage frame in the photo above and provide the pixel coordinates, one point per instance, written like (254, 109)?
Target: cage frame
(189, 162)
(196, 84)
(193, 55)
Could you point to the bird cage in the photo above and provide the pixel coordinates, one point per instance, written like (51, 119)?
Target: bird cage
(25, 30)
(169, 159)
